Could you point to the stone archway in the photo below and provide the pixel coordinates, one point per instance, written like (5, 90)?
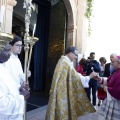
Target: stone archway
(71, 11)
(77, 24)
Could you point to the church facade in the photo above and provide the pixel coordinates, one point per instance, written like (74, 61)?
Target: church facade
(59, 24)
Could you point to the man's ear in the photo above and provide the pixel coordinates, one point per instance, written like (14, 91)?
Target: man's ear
(10, 46)
(70, 53)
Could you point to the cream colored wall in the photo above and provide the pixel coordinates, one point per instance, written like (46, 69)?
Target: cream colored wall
(77, 24)
(77, 29)
(81, 21)
(8, 14)
(71, 10)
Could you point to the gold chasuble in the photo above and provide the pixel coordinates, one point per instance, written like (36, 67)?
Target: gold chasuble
(68, 99)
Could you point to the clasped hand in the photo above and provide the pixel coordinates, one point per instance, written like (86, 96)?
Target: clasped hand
(93, 75)
(24, 90)
(98, 78)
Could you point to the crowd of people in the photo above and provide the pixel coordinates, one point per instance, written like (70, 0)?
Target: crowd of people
(70, 87)
(105, 85)
(70, 93)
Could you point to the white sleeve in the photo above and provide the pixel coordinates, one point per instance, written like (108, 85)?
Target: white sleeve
(21, 74)
(85, 80)
(109, 97)
(11, 106)
(105, 81)
(22, 78)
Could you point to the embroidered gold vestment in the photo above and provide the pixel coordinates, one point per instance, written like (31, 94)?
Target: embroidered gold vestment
(68, 99)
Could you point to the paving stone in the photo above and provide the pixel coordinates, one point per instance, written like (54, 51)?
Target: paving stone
(41, 115)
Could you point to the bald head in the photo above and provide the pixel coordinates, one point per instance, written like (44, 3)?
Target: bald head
(113, 55)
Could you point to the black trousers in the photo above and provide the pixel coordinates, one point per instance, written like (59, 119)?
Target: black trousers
(92, 87)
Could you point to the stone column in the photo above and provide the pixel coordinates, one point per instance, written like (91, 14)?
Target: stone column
(71, 35)
(8, 14)
(71, 31)
(77, 24)
(81, 34)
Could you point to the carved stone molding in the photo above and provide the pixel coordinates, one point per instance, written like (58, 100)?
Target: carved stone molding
(7, 24)
(72, 28)
(11, 2)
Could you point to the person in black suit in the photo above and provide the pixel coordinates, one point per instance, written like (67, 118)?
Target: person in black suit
(92, 63)
(108, 67)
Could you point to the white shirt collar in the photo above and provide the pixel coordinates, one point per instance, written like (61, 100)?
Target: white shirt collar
(66, 57)
(13, 55)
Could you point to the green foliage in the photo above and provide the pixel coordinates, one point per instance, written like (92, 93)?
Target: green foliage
(88, 14)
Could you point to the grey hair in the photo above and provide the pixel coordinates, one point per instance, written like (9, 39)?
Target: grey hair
(113, 54)
(2, 47)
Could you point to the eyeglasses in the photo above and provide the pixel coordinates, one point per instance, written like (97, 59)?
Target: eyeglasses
(18, 45)
(75, 54)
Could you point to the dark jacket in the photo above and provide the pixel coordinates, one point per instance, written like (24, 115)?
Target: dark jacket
(88, 70)
(107, 70)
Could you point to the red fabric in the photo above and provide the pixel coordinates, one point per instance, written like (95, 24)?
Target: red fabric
(114, 84)
(101, 94)
(79, 69)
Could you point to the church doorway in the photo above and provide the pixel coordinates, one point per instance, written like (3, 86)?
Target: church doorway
(54, 24)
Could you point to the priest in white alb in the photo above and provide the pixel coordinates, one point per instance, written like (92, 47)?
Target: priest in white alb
(13, 65)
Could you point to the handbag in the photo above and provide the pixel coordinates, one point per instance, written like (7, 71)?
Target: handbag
(101, 94)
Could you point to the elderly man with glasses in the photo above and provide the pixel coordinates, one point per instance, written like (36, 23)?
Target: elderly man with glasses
(68, 99)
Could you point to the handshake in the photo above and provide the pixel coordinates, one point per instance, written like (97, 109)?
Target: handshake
(93, 75)
(24, 90)
(96, 77)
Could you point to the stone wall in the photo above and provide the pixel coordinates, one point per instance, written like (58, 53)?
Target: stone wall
(8, 14)
(77, 29)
